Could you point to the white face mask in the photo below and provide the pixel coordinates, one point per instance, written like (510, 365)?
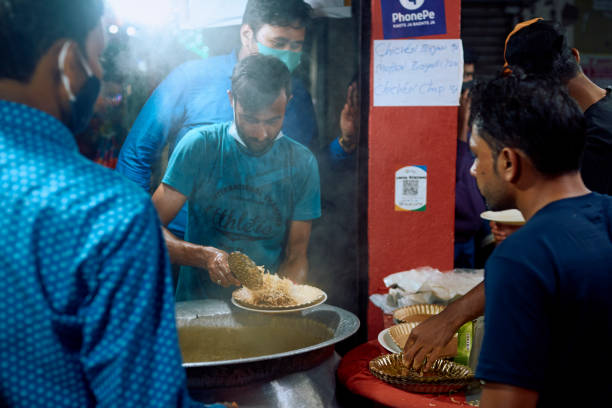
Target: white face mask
(81, 104)
(233, 130)
(235, 133)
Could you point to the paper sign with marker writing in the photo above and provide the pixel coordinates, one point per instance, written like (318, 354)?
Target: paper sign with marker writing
(417, 72)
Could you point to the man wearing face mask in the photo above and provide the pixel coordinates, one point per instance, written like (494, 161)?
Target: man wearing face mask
(195, 93)
(86, 302)
(249, 188)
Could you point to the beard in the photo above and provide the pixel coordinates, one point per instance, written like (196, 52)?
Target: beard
(497, 201)
(254, 147)
(496, 196)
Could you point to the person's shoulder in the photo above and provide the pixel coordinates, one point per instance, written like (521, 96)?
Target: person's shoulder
(575, 209)
(599, 115)
(557, 220)
(207, 67)
(204, 138)
(105, 185)
(94, 195)
(298, 88)
(296, 148)
(602, 105)
(207, 133)
(602, 203)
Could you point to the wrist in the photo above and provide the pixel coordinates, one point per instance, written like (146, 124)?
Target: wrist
(345, 145)
(206, 254)
(456, 315)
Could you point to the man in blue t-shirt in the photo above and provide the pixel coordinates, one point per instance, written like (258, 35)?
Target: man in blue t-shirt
(195, 94)
(249, 188)
(548, 325)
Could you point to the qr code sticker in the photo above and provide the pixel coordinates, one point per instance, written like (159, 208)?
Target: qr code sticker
(411, 187)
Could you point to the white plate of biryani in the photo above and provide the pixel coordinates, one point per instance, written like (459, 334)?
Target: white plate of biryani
(278, 295)
(509, 217)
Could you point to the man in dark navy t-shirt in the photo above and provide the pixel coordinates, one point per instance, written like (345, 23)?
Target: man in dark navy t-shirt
(548, 286)
(541, 48)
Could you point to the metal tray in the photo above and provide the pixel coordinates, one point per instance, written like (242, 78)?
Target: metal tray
(444, 375)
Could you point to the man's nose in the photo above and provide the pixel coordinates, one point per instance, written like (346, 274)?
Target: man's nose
(473, 169)
(261, 134)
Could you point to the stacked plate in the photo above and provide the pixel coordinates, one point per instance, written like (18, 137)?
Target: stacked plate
(406, 318)
(444, 375)
(416, 313)
(400, 333)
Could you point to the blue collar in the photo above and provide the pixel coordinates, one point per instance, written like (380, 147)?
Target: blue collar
(38, 123)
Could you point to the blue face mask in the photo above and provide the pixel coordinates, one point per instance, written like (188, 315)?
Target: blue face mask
(81, 104)
(290, 58)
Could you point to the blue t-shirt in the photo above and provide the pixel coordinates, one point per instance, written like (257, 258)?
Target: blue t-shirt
(238, 201)
(86, 302)
(194, 95)
(548, 315)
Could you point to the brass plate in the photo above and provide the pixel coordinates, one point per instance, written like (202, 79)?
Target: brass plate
(416, 313)
(400, 333)
(444, 375)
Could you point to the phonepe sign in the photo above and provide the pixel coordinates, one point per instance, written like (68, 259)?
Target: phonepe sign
(413, 18)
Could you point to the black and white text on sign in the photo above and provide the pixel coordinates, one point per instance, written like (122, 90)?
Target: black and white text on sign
(417, 72)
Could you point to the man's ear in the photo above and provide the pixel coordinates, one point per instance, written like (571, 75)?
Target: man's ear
(576, 54)
(509, 163)
(231, 97)
(71, 66)
(247, 36)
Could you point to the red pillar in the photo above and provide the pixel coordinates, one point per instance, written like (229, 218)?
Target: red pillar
(399, 137)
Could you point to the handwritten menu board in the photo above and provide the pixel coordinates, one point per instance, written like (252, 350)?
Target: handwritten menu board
(417, 72)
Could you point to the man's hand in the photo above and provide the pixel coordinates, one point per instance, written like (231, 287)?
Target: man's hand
(429, 340)
(502, 231)
(349, 119)
(168, 201)
(217, 265)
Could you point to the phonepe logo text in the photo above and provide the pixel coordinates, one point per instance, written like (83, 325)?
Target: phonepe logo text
(410, 17)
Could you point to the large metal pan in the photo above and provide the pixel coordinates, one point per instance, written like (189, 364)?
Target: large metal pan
(242, 371)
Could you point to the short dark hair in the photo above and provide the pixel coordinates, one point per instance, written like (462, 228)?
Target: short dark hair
(28, 28)
(541, 48)
(282, 13)
(258, 79)
(534, 115)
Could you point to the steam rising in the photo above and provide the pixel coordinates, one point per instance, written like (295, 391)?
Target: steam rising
(147, 39)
